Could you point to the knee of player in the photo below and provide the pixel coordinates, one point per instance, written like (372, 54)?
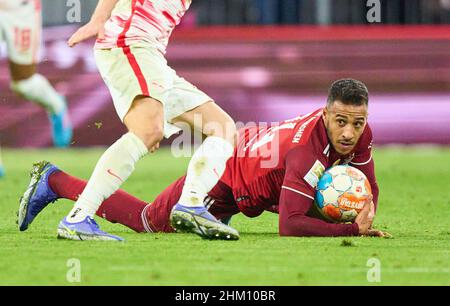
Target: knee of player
(225, 129)
(152, 136)
(20, 87)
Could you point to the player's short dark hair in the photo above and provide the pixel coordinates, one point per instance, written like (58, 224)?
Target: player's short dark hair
(349, 92)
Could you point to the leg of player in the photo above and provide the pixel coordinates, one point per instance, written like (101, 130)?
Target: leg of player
(22, 27)
(204, 171)
(36, 88)
(144, 121)
(48, 184)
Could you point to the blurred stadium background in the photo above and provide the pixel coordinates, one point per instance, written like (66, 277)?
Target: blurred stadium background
(263, 61)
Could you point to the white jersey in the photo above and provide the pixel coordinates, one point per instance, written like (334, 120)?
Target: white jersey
(13, 4)
(20, 28)
(134, 21)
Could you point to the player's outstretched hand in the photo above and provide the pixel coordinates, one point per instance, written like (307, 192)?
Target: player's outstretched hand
(91, 29)
(365, 218)
(378, 233)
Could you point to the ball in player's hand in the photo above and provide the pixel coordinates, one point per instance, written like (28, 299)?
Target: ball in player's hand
(341, 193)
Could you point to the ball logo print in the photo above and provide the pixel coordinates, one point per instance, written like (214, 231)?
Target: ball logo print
(351, 202)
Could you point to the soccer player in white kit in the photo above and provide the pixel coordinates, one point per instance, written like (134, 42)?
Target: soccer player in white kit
(20, 28)
(152, 102)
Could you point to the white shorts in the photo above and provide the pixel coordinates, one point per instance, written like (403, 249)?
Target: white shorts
(20, 28)
(142, 70)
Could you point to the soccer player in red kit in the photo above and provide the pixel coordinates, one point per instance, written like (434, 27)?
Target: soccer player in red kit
(274, 168)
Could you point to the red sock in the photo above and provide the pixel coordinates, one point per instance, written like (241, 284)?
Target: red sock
(121, 207)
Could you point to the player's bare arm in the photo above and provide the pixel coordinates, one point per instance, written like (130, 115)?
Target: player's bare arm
(95, 27)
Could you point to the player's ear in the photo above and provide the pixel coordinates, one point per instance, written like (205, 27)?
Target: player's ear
(325, 113)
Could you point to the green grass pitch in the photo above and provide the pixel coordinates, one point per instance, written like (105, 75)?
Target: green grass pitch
(414, 207)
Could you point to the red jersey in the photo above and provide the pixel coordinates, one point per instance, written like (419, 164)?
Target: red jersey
(277, 168)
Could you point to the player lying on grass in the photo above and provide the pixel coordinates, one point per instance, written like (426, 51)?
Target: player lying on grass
(272, 169)
(152, 101)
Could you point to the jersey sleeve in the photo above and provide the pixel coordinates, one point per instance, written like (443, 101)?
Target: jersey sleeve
(303, 170)
(363, 161)
(293, 220)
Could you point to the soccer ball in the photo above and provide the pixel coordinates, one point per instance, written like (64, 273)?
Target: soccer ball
(341, 193)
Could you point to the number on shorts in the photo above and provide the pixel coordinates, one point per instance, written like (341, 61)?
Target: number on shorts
(22, 40)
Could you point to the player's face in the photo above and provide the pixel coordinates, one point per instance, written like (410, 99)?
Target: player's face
(345, 125)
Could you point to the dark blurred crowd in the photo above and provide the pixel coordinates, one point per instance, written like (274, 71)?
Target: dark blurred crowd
(320, 11)
(231, 12)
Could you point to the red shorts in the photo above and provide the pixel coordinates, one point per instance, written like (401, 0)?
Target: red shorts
(220, 201)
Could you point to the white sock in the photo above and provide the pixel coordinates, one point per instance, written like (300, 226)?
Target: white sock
(38, 89)
(205, 169)
(113, 168)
